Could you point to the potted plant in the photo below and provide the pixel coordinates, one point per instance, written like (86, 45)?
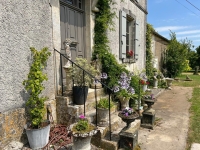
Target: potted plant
(82, 132)
(123, 90)
(128, 115)
(81, 80)
(144, 84)
(103, 111)
(37, 130)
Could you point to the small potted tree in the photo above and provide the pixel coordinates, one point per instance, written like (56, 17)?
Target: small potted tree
(81, 80)
(103, 111)
(37, 130)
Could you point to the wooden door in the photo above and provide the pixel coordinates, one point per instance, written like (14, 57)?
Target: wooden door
(72, 25)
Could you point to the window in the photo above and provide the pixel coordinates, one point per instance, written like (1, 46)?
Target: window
(128, 35)
(76, 3)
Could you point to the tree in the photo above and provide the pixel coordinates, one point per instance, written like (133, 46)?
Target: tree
(176, 56)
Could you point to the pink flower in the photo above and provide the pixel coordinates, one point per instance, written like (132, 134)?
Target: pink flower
(82, 116)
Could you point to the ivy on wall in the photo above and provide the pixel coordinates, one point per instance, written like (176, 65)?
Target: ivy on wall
(149, 55)
(103, 23)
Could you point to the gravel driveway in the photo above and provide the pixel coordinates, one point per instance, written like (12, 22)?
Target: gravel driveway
(172, 113)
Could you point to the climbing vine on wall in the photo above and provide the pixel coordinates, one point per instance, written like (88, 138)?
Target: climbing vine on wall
(103, 23)
(149, 55)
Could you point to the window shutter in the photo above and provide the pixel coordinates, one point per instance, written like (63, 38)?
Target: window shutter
(122, 40)
(137, 35)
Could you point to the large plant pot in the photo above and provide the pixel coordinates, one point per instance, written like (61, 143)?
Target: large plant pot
(38, 138)
(124, 102)
(144, 87)
(81, 141)
(102, 116)
(80, 94)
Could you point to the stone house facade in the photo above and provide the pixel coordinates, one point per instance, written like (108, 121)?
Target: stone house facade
(159, 46)
(48, 23)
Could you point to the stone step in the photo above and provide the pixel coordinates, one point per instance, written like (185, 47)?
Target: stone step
(107, 144)
(91, 115)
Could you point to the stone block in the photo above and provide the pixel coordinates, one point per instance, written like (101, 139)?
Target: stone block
(12, 126)
(129, 137)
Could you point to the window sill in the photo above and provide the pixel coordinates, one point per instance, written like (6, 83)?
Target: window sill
(128, 60)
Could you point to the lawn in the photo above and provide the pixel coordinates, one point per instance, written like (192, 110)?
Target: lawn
(194, 125)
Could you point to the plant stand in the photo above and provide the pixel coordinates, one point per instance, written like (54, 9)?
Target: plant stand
(169, 83)
(69, 83)
(155, 84)
(148, 116)
(128, 119)
(129, 137)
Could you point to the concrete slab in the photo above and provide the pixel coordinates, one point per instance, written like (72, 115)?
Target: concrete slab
(195, 146)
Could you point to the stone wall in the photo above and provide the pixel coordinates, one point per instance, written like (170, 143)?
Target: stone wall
(12, 126)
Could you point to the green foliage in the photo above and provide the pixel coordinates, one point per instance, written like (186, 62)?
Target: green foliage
(34, 85)
(103, 23)
(135, 83)
(104, 103)
(149, 55)
(193, 59)
(82, 125)
(77, 73)
(176, 57)
(123, 93)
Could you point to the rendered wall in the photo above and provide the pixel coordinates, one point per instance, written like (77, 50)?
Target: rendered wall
(23, 25)
(114, 35)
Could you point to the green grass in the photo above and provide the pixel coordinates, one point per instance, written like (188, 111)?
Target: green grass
(194, 124)
(194, 83)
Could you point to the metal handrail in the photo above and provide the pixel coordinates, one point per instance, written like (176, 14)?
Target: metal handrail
(84, 71)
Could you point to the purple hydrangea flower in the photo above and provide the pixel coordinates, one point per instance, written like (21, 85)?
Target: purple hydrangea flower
(116, 89)
(104, 75)
(131, 90)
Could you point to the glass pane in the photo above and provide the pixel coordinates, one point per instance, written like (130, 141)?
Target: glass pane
(80, 4)
(69, 1)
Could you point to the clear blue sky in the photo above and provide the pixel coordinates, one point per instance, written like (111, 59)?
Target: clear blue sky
(179, 16)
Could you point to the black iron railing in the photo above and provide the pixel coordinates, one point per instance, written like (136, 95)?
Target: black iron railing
(62, 56)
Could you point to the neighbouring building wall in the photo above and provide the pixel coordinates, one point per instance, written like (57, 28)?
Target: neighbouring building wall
(140, 18)
(159, 46)
(23, 24)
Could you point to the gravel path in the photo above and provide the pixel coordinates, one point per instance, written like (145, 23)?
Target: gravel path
(172, 113)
